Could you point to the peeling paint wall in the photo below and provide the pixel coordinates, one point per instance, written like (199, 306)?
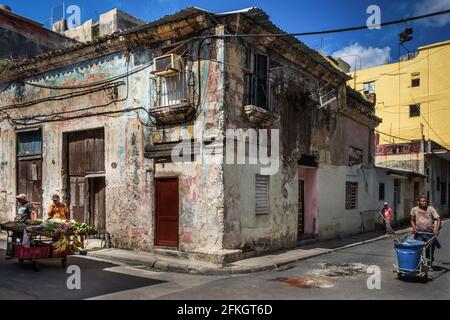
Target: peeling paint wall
(244, 229)
(128, 186)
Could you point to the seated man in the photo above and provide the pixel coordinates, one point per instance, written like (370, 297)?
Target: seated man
(57, 209)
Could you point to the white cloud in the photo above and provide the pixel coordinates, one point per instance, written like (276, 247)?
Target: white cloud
(363, 57)
(429, 6)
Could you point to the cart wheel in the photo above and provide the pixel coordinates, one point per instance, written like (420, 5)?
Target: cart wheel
(64, 262)
(35, 266)
(21, 260)
(425, 278)
(399, 275)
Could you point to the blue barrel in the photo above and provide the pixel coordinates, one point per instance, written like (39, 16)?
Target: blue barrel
(408, 255)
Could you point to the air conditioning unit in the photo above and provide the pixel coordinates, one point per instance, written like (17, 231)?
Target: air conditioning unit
(167, 65)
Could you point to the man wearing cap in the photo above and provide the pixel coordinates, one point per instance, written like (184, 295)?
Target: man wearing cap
(25, 210)
(57, 209)
(386, 214)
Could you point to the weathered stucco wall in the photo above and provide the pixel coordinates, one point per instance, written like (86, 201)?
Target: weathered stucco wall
(128, 188)
(23, 38)
(201, 186)
(334, 220)
(244, 229)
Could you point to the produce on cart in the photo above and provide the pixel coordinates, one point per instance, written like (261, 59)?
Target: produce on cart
(40, 239)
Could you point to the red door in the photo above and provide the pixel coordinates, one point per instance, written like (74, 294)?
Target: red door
(166, 232)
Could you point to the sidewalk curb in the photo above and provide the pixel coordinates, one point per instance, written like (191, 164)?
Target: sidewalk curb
(228, 270)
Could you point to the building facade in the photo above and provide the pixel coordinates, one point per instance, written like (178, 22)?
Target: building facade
(101, 123)
(411, 95)
(25, 38)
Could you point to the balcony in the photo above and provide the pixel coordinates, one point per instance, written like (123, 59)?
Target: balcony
(173, 99)
(261, 101)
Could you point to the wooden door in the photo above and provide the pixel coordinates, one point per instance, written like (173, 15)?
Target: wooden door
(30, 182)
(86, 155)
(76, 199)
(166, 218)
(97, 216)
(301, 208)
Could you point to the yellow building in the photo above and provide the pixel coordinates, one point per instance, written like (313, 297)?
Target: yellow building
(412, 96)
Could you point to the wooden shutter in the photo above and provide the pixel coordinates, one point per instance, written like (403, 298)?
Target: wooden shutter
(262, 194)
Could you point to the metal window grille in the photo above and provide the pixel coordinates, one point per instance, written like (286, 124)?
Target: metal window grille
(351, 195)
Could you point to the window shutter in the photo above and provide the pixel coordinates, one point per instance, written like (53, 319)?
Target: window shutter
(262, 194)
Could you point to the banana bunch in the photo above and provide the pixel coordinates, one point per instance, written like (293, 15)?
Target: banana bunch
(61, 245)
(77, 244)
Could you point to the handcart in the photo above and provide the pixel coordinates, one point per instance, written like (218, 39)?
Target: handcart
(411, 258)
(40, 246)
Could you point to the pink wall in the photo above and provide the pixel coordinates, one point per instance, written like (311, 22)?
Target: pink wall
(311, 198)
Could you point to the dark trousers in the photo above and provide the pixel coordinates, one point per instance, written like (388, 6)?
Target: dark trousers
(9, 245)
(431, 247)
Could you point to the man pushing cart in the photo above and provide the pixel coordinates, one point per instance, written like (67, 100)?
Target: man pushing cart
(416, 257)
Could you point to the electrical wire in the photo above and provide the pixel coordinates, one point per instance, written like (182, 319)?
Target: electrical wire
(97, 83)
(60, 97)
(389, 135)
(333, 30)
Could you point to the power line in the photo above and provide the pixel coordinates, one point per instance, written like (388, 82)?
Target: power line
(328, 31)
(429, 126)
(389, 135)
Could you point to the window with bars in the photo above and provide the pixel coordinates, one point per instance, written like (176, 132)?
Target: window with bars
(351, 195)
(260, 89)
(262, 194)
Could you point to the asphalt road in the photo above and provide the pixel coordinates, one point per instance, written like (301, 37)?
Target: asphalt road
(339, 275)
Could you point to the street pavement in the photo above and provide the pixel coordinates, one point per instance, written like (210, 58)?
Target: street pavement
(338, 275)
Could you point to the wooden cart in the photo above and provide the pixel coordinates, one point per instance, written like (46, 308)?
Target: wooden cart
(40, 246)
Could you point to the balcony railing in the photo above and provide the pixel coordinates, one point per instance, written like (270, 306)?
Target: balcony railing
(260, 92)
(174, 90)
(173, 98)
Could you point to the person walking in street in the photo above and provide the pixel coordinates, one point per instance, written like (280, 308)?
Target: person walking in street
(386, 214)
(426, 224)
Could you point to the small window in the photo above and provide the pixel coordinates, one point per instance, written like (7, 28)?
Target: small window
(369, 87)
(29, 143)
(262, 194)
(415, 79)
(351, 195)
(414, 110)
(443, 193)
(355, 156)
(397, 190)
(381, 192)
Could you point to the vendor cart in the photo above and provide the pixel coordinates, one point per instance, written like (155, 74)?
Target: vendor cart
(39, 247)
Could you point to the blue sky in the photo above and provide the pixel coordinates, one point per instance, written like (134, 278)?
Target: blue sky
(365, 47)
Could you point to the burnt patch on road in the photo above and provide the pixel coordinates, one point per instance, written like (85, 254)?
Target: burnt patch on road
(339, 270)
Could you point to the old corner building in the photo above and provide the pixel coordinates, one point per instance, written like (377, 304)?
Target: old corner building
(96, 122)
